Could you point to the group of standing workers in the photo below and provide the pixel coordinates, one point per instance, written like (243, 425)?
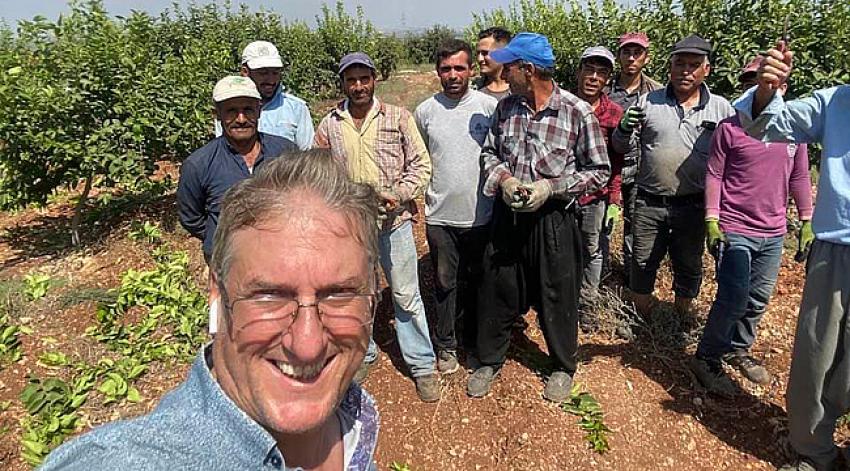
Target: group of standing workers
(523, 181)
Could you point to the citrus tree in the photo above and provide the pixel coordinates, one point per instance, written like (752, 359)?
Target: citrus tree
(98, 99)
(818, 29)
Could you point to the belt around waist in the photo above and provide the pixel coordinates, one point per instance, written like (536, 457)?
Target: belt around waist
(674, 200)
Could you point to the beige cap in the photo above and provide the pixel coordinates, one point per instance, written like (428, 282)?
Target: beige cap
(234, 86)
(261, 54)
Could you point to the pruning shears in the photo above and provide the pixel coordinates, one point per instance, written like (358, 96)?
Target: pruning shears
(520, 195)
(784, 46)
(717, 252)
(801, 255)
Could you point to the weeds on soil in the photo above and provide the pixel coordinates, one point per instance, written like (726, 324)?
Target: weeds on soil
(149, 232)
(12, 300)
(587, 408)
(36, 285)
(10, 342)
(173, 329)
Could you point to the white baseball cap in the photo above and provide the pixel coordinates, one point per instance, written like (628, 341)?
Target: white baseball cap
(261, 54)
(598, 51)
(234, 86)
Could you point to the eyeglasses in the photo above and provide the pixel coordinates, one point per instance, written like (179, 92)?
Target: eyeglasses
(262, 316)
(590, 70)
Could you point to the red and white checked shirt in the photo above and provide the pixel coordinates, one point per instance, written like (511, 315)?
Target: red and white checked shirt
(562, 143)
(609, 115)
(386, 152)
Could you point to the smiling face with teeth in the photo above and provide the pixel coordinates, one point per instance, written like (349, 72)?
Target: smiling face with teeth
(292, 381)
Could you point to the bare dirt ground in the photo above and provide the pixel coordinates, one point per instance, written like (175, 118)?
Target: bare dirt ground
(660, 419)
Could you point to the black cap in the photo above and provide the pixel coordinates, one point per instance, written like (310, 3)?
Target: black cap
(693, 44)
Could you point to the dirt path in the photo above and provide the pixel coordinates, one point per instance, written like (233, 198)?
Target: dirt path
(660, 420)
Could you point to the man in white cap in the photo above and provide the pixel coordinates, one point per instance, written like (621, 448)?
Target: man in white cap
(284, 114)
(211, 170)
(600, 210)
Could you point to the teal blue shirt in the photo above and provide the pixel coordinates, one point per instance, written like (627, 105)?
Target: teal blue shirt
(286, 116)
(197, 426)
(823, 117)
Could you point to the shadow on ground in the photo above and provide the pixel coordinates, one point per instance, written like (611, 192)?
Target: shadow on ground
(659, 350)
(50, 234)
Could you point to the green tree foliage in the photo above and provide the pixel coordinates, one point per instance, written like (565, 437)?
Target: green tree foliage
(388, 56)
(102, 98)
(422, 47)
(819, 32)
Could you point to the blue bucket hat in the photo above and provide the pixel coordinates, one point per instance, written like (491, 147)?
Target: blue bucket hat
(530, 47)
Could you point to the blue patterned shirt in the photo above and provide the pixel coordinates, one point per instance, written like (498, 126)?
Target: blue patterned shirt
(196, 426)
(823, 117)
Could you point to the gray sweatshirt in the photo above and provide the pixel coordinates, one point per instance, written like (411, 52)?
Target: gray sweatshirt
(454, 131)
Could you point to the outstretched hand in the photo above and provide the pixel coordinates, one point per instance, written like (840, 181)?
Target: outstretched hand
(771, 75)
(776, 67)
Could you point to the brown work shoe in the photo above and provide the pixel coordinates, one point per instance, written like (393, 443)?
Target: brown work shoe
(428, 387)
(447, 362)
(748, 367)
(558, 387)
(644, 304)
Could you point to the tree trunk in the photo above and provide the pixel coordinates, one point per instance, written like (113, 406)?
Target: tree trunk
(78, 212)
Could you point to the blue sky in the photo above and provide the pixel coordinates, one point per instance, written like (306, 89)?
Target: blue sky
(385, 14)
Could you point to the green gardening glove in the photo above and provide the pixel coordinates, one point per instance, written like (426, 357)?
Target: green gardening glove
(805, 237)
(713, 234)
(633, 116)
(612, 217)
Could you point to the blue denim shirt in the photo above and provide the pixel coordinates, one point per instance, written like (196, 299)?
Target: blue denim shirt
(286, 116)
(208, 173)
(823, 117)
(196, 426)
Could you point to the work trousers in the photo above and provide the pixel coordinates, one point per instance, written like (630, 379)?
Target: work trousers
(397, 250)
(456, 253)
(662, 225)
(745, 279)
(628, 190)
(819, 387)
(591, 217)
(531, 259)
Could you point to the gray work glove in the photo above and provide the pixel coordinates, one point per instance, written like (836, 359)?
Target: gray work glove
(538, 193)
(509, 189)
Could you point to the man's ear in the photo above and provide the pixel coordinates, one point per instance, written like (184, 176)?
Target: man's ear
(243, 71)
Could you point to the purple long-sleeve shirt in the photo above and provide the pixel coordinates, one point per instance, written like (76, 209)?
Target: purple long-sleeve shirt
(748, 181)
